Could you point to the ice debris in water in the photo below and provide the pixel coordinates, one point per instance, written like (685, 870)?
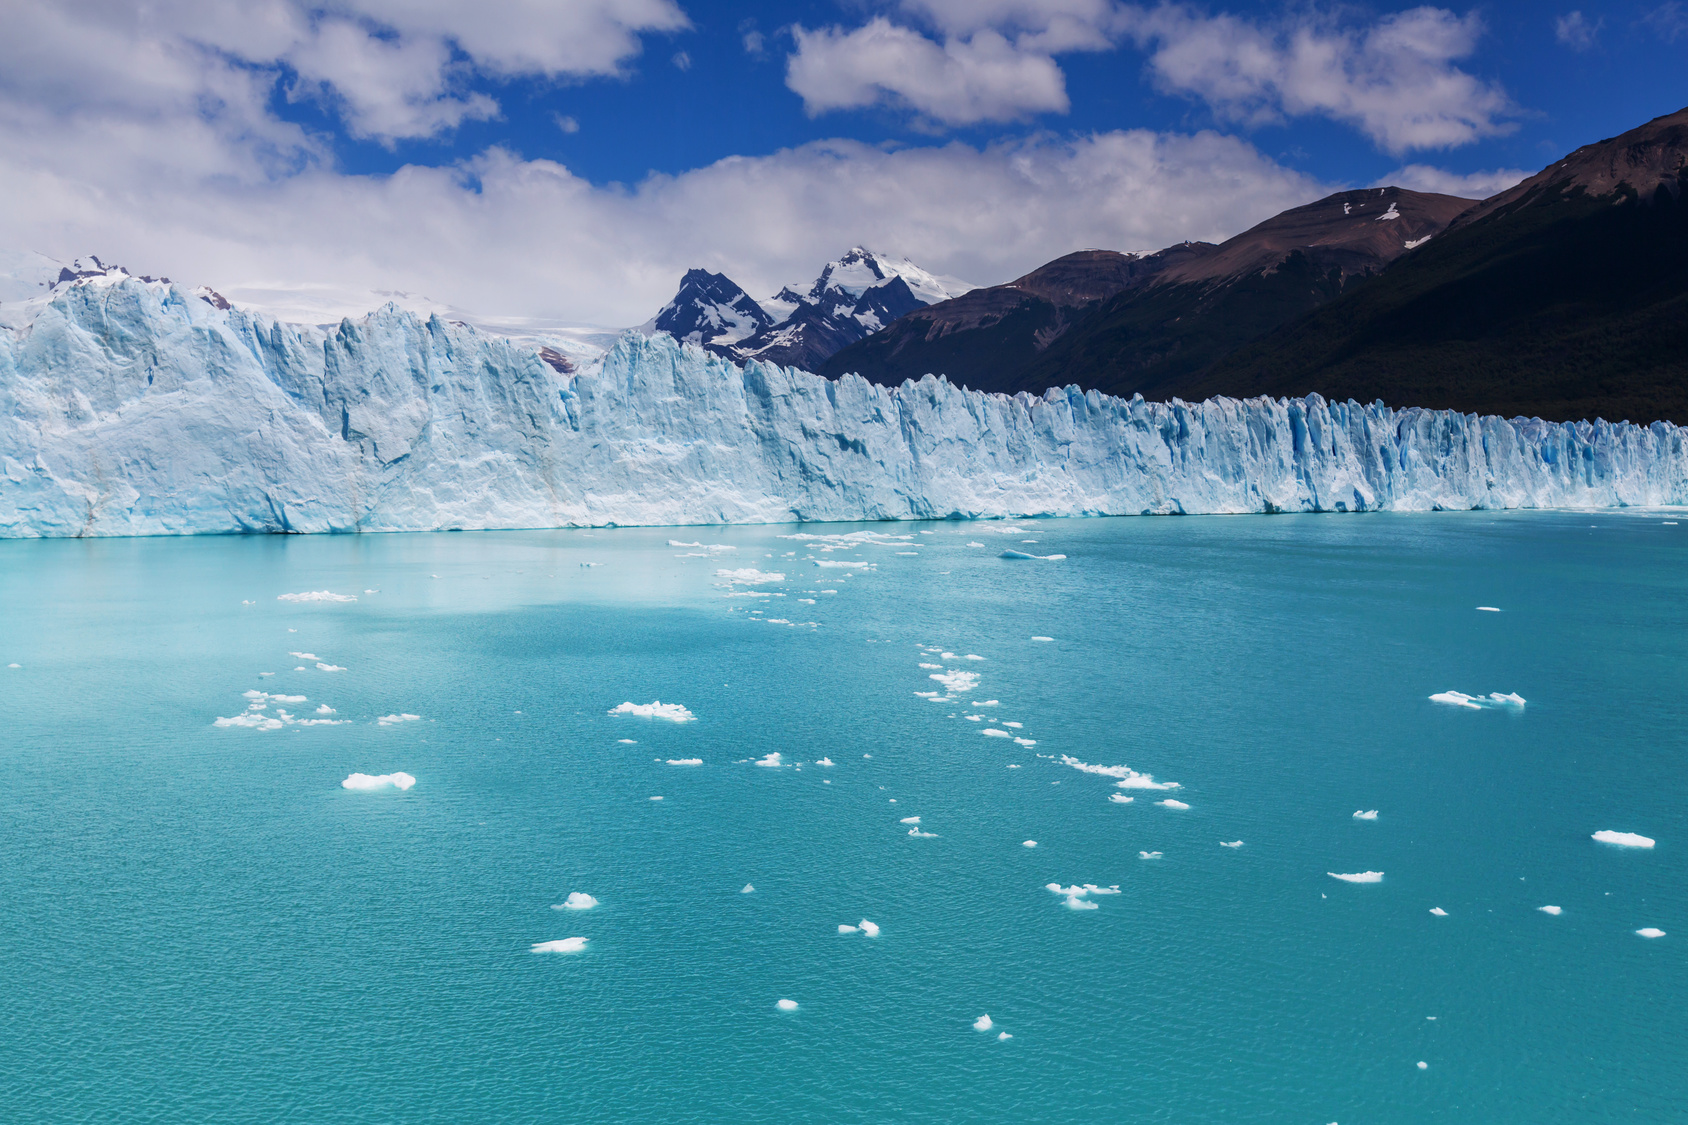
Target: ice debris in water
(910, 820)
(366, 781)
(748, 576)
(786, 1005)
(1624, 839)
(1650, 932)
(1478, 702)
(1551, 909)
(1128, 777)
(1023, 555)
(1365, 814)
(748, 889)
(992, 732)
(922, 835)
(957, 681)
(983, 1023)
(577, 900)
(1488, 609)
(685, 761)
(771, 760)
(565, 945)
(1028, 843)
(673, 712)
(1043, 638)
(1120, 798)
(1438, 911)
(401, 717)
(316, 596)
(1148, 855)
(1230, 843)
(1358, 876)
(1171, 803)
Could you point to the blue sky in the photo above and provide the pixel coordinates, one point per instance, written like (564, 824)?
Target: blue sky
(566, 160)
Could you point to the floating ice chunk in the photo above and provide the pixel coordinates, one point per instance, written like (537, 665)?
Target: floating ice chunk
(748, 890)
(1456, 699)
(842, 564)
(985, 703)
(1230, 843)
(673, 712)
(975, 544)
(771, 760)
(749, 576)
(1650, 932)
(972, 656)
(1003, 1035)
(1488, 609)
(325, 709)
(1439, 912)
(1076, 903)
(316, 596)
(846, 929)
(1028, 843)
(1013, 765)
(1555, 910)
(1043, 638)
(1509, 699)
(1023, 555)
(956, 681)
(1358, 877)
(249, 719)
(628, 741)
(1365, 814)
(403, 717)
(932, 667)
(685, 761)
(1170, 803)
(366, 782)
(922, 835)
(565, 945)
(1092, 888)
(1421, 1065)
(1026, 741)
(871, 929)
(304, 656)
(1120, 798)
(910, 820)
(992, 732)
(983, 1023)
(1623, 839)
(330, 667)
(974, 718)
(823, 761)
(787, 1005)
(1128, 777)
(1478, 702)
(288, 698)
(1016, 726)
(577, 900)
(1148, 855)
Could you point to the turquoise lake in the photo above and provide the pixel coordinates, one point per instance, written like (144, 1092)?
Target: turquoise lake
(199, 923)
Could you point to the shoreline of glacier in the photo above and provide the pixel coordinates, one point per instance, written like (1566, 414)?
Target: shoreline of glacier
(132, 408)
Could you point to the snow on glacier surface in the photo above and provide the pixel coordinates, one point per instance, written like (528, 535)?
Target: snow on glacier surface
(135, 408)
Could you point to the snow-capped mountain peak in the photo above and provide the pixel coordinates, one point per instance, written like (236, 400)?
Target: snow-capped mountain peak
(855, 295)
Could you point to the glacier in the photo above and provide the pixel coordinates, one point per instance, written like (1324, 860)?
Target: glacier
(133, 407)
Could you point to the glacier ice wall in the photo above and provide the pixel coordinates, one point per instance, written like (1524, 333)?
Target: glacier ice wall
(133, 408)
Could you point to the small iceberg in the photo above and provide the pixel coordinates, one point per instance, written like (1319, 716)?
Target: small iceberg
(577, 900)
(1358, 876)
(1623, 839)
(1438, 911)
(1170, 803)
(367, 782)
(1023, 555)
(1230, 843)
(1650, 932)
(983, 1023)
(1553, 910)
(1478, 702)
(565, 945)
(1028, 843)
(673, 712)
(1365, 814)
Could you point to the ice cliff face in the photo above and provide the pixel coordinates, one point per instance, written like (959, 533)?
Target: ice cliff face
(134, 408)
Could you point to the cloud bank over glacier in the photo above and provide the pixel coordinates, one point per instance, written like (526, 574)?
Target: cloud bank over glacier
(133, 408)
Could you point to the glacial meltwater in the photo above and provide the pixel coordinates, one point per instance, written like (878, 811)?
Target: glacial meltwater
(760, 824)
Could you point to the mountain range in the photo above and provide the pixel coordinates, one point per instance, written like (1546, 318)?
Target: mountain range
(1564, 297)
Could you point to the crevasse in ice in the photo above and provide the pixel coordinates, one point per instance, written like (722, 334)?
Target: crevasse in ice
(135, 408)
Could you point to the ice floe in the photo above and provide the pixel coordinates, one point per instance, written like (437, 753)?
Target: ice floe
(628, 741)
(402, 717)
(823, 761)
(1478, 702)
(1650, 932)
(1555, 910)
(316, 596)
(1230, 843)
(932, 667)
(786, 1005)
(1170, 803)
(956, 681)
(909, 820)
(1120, 798)
(685, 761)
(972, 656)
(1002, 1036)
(992, 732)
(1024, 555)
(985, 703)
(1438, 911)
(1365, 814)
(673, 712)
(304, 655)
(1488, 609)
(1358, 876)
(771, 760)
(922, 835)
(1026, 741)
(983, 1023)
(563, 945)
(1043, 638)
(1028, 843)
(843, 564)
(364, 781)
(749, 576)
(577, 900)
(1148, 855)
(846, 928)
(748, 889)
(870, 929)
(1623, 839)
(1128, 777)
(330, 667)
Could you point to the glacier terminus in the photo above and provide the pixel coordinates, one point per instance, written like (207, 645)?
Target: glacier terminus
(134, 407)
